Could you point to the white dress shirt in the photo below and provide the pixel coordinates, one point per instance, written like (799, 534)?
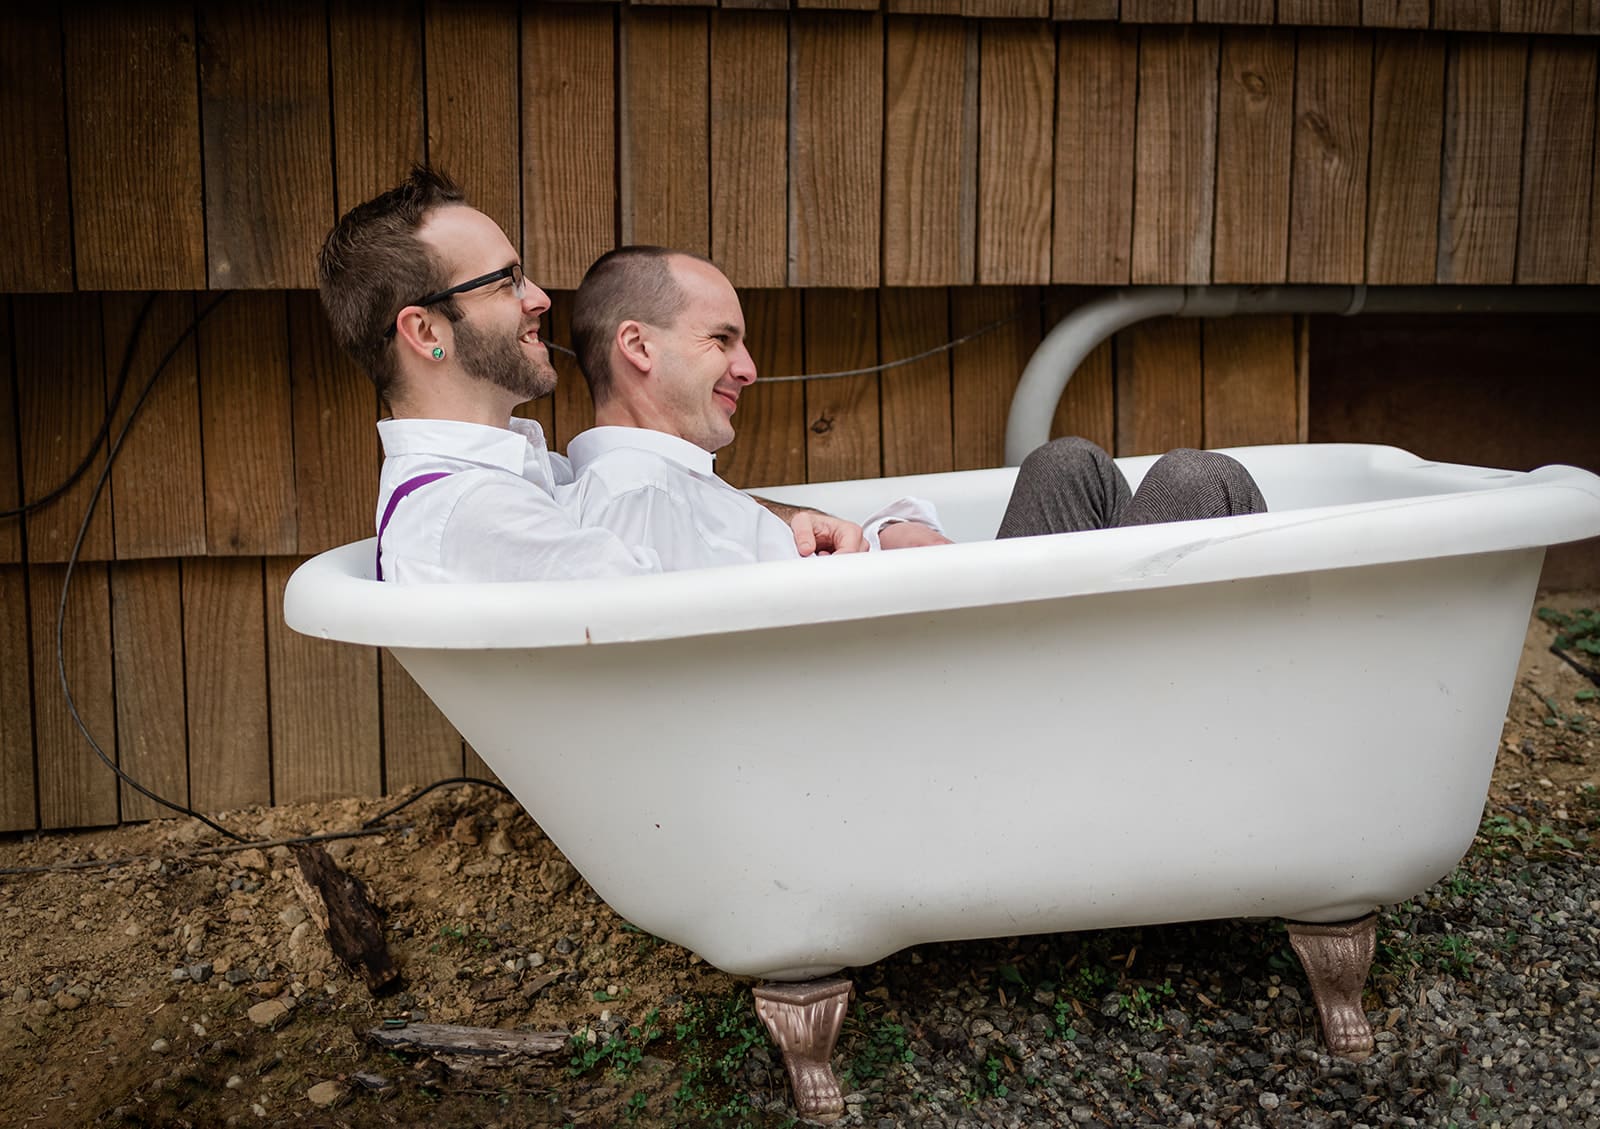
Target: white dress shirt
(495, 516)
(659, 491)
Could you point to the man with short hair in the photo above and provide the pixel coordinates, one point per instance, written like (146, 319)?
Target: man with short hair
(660, 338)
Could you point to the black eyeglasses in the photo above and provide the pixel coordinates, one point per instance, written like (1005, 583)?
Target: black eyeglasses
(513, 272)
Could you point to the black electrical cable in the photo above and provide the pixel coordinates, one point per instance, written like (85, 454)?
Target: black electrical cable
(105, 424)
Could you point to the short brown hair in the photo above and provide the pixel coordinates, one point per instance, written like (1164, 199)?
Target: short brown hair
(631, 283)
(372, 264)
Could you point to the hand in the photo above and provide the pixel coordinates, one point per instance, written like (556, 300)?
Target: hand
(910, 535)
(821, 534)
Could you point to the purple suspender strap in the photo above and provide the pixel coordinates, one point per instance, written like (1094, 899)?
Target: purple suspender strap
(400, 492)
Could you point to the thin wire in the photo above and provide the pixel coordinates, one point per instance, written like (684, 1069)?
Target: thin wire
(105, 424)
(870, 369)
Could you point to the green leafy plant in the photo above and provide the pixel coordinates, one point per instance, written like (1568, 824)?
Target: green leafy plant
(621, 1052)
(1576, 631)
(1503, 832)
(882, 1047)
(1139, 1006)
(715, 1037)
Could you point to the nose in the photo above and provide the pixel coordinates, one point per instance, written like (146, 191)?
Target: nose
(534, 300)
(743, 366)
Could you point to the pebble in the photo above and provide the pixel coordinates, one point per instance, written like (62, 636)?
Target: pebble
(500, 843)
(556, 875)
(325, 1093)
(293, 916)
(268, 1012)
(234, 1082)
(160, 1046)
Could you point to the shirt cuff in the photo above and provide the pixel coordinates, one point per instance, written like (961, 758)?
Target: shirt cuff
(901, 509)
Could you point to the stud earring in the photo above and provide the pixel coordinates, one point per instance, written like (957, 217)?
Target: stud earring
(438, 353)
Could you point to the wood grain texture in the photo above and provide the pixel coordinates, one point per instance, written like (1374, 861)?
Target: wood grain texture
(323, 706)
(1336, 13)
(1097, 84)
(1481, 179)
(225, 682)
(35, 214)
(1016, 158)
(984, 371)
(574, 407)
(1234, 12)
(1085, 9)
(915, 399)
(1553, 233)
(750, 147)
(1251, 393)
(17, 784)
(1466, 15)
(1159, 371)
(11, 492)
(923, 7)
(1255, 126)
(473, 100)
(1174, 198)
(836, 149)
(336, 450)
(1332, 139)
(839, 5)
(842, 419)
(75, 788)
(378, 132)
(1403, 182)
(133, 114)
(419, 745)
(152, 729)
(1158, 11)
(267, 142)
(1088, 406)
(157, 475)
(1548, 17)
(568, 147)
(61, 402)
(1586, 17)
(1006, 9)
(247, 427)
(1395, 13)
(666, 100)
(770, 449)
(930, 152)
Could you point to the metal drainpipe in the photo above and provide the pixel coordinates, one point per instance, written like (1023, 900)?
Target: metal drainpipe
(1077, 335)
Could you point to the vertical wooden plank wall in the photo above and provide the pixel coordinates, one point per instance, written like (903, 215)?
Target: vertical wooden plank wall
(876, 183)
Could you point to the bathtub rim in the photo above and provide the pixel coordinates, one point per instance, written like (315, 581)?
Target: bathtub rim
(333, 595)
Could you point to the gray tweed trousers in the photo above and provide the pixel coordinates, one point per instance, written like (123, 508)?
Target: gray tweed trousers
(1070, 485)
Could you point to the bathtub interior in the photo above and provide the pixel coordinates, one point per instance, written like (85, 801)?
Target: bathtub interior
(1292, 477)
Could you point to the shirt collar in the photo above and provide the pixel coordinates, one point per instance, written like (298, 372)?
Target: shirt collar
(585, 448)
(502, 447)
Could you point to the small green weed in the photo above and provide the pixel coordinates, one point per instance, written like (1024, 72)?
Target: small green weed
(987, 1082)
(621, 1052)
(715, 1036)
(1139, 1006)
(1576, 631)
(1503, 833)
(883, 1047)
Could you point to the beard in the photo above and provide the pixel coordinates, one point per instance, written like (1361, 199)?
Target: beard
(503, 362)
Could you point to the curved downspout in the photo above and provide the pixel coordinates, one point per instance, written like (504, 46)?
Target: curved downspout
(1077, 335)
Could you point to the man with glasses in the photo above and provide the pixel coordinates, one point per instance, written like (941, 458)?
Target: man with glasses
(427, 295)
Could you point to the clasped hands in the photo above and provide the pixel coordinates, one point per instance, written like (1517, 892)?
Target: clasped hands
(823, 534)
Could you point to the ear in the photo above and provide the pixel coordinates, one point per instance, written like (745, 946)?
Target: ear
(419, 331)
(635, 347)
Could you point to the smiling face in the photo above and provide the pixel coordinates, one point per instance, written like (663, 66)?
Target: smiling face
(703, 363)
(496, 339)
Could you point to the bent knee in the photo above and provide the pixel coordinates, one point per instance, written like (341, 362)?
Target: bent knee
(1068, 451)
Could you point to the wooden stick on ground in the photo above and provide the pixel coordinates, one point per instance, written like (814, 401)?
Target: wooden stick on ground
(338, 903)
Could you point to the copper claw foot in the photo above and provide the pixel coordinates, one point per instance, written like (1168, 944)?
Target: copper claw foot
(1336, 958)
(804, 1021)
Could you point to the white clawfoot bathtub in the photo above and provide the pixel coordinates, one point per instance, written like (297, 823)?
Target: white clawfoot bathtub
(794, 767)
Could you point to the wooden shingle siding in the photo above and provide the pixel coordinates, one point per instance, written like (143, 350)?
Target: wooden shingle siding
(1016, 155)
(147, 647)
(1255, 128)
(225, 682)
(1097, 81)
(1333, 100)
(749, 148)
(842, 425)
(1553, 233)
(1174, 193)
(74, 788)
(377, 68)
(35, 216)
(1481, 181)
(1403, 181)
(17, 785)
(664, 145)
